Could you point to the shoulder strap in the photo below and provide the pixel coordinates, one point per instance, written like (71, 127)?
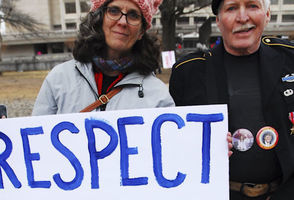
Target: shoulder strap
(103, 99)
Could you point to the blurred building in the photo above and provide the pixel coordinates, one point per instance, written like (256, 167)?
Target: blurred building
(60, 19)
(188, 26)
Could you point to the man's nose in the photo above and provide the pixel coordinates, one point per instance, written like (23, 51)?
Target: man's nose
(242, 15)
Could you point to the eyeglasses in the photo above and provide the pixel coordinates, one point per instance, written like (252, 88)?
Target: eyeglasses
(132, 17)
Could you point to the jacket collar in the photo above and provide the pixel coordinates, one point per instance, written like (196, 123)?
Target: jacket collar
(133, 78)
(86, 70)
(130, 79)
(270, 71)
(216, 84)
(270, 74)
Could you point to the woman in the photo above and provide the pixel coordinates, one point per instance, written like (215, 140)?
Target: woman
(112, 50)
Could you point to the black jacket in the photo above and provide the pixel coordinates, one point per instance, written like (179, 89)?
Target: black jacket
(200, 78)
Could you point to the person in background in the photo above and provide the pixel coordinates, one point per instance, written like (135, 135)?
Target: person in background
(113, 50)
(254, 76)
(3, 112)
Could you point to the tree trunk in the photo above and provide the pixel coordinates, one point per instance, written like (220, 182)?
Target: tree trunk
(1, 46)
(168, 22)
(205, 32)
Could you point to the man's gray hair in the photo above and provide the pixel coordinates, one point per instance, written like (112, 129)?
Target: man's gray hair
(267, 4)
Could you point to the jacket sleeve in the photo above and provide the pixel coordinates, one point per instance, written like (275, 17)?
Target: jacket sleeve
(162, 95)
(45, 103)
(167, 101)
(285, 191)
(176, 85)
(186, 84)
(284, 105)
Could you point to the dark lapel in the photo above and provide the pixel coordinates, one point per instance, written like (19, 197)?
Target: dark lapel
(216, 83)
(270, 71)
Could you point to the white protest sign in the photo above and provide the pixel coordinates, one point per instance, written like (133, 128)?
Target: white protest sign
(163, 153)
(168, 59)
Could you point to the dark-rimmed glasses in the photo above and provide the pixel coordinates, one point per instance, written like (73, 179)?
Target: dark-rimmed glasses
(132, 17)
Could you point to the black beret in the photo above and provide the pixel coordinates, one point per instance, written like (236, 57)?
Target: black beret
(215, 5)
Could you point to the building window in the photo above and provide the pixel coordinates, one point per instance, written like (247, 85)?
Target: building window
(57, 27)
(199, 20)
(84, 7)
(213, 19)
(70, 7)
(57, 47)
(288, 18)
(274, 18)
(153, 21)
(190, 43)
(40, 49)
(288, 2)
(71, 26)
(183, 20)
(274, 2)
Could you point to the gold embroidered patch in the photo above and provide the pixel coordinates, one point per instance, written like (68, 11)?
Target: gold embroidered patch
(270, 41)
(188, 61)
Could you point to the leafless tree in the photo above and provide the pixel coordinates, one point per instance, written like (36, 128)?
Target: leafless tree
(16, 19)
(171, 10)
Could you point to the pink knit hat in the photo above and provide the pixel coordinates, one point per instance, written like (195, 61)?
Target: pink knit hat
(148, 8)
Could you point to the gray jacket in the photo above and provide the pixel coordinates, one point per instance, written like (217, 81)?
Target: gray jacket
(71, 86)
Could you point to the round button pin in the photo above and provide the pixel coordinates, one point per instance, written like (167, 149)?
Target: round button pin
(267, 138)
(267, 40)
(242, 139)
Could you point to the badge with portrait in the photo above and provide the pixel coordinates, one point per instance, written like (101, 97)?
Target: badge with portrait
(267, 138)
(242, 139)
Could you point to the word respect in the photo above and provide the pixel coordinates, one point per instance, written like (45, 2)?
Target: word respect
(115, 136)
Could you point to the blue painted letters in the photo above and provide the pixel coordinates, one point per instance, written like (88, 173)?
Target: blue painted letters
(76, 182)
(10, 173)
(125, 151)
(156, 150)
(95, 155)
(29, 157)
(206, 119)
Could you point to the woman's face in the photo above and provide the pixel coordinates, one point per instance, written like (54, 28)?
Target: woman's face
(119, 35)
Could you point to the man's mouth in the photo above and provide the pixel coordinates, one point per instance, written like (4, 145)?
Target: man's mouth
(244, 28)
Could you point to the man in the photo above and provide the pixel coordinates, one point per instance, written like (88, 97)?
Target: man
(268, 137)
(254, 76)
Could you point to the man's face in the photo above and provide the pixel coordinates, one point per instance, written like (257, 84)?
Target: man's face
(268, 138)
(241, 23)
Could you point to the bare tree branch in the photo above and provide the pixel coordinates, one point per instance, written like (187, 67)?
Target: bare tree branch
(171, 10)
(180, 11)
(17, 19)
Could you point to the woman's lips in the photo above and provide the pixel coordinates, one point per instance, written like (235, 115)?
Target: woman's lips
(120, 34)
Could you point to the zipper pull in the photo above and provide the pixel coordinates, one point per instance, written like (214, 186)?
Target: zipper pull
(140, 92)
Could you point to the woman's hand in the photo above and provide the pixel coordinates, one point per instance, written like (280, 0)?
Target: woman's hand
(230, 145)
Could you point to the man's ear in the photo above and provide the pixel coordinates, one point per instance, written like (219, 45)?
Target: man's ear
(268, 15)
(217, 20)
